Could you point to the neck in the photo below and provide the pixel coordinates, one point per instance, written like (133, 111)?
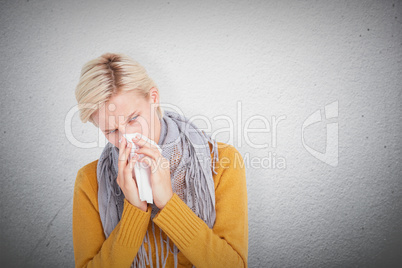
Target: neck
(157, 131)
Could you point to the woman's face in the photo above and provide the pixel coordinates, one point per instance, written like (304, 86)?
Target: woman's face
(127, 113)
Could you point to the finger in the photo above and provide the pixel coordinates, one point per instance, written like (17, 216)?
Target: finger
(148, 149)
(128, 151)
(125, 153)
(129, 168)
(133, 178)
(148, 162)
(121, 164)
(118, 180)
(128, 172)
(150, 152)
(122, 148)
(142, 142)
(132, 161)
(122, 144)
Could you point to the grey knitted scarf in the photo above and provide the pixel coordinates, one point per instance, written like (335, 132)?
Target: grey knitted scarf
(186, 147)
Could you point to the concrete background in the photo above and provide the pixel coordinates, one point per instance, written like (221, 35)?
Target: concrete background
(277, 58)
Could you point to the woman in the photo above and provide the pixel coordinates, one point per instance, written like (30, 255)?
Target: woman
(199, 212)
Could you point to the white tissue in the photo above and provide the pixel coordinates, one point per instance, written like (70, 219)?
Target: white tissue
(142, 173)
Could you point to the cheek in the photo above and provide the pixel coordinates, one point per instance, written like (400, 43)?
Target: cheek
(113, 139)
(142, 124)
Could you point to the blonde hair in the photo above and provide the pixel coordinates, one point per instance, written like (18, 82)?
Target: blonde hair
(107, 75)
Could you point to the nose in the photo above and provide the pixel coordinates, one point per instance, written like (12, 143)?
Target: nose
(126, 129)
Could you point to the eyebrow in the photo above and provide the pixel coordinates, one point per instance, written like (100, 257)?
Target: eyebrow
(128, 117)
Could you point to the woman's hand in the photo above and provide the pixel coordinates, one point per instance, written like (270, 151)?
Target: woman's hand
(160, 171)
(125, 176)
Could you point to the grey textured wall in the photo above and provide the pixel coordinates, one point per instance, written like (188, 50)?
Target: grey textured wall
(285, 60)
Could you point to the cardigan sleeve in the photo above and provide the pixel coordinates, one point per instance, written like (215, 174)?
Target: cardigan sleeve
(91, 249)
(226, 244)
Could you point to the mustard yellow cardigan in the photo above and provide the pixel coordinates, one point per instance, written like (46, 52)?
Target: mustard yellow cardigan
(225, 245)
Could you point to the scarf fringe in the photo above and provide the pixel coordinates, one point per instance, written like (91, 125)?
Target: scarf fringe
(214, 150)
(141, 257)
(194, 172)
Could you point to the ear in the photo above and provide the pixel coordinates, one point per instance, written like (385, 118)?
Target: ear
(154, 96)
(94, 118)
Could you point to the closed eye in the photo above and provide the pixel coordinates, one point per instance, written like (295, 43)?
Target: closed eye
(132, 119)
